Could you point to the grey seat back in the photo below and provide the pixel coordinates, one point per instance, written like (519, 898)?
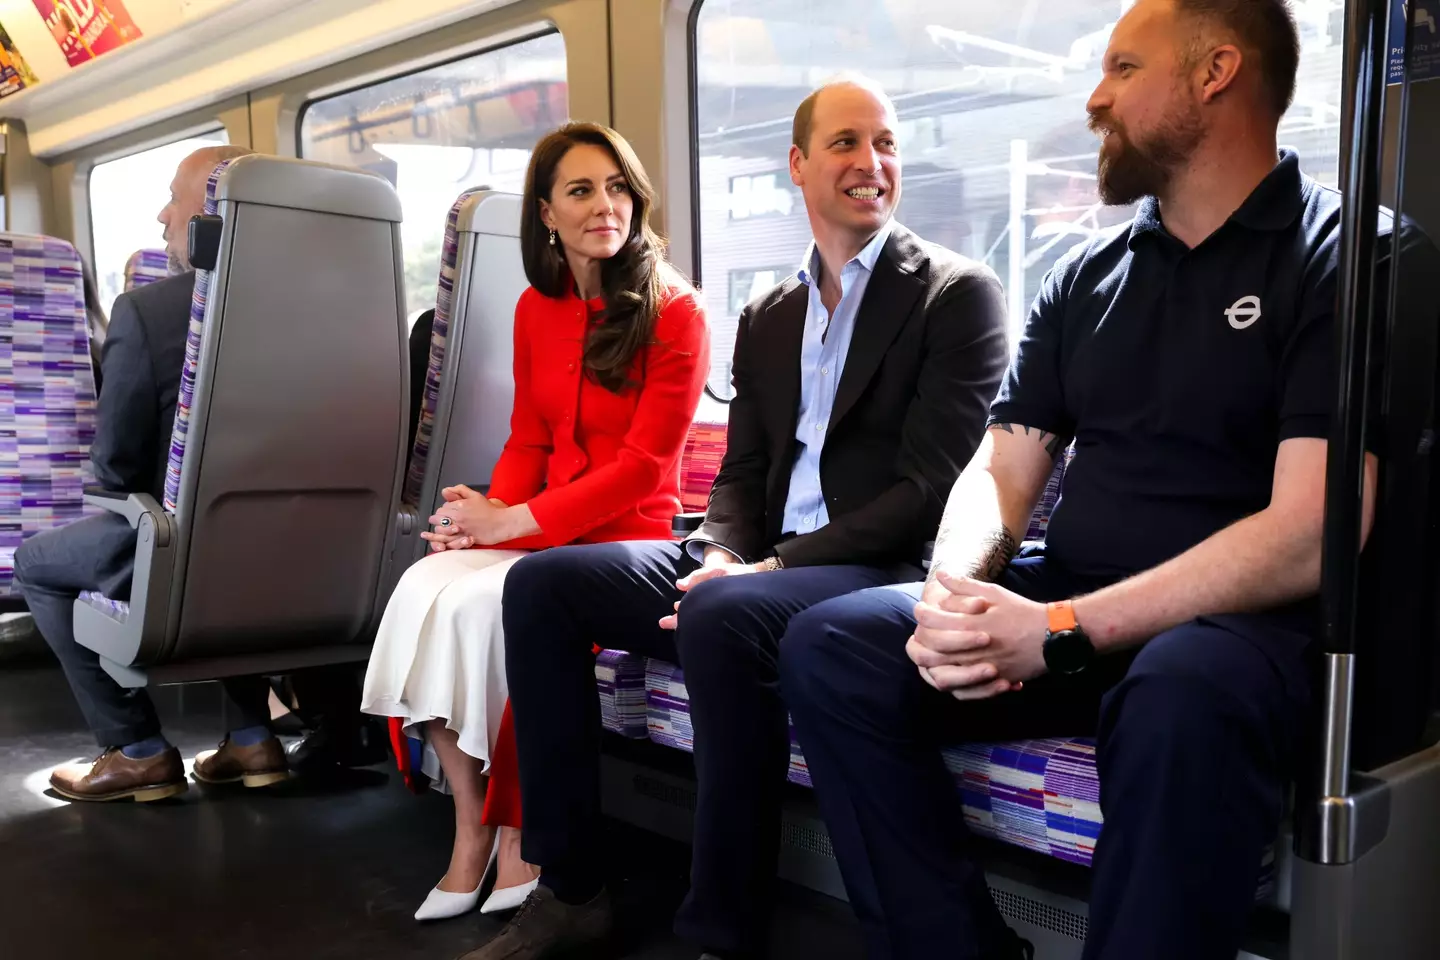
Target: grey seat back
(470, 387)
(293, 475)
(288, 451)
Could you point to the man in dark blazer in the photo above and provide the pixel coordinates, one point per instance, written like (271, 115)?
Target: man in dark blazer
(141, 363)
(861, 389)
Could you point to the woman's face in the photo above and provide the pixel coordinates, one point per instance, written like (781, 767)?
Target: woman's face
(590, 204)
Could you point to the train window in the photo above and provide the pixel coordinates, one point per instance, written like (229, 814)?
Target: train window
(126, 195)
(746, 285)
(468, 123)
(999, 164)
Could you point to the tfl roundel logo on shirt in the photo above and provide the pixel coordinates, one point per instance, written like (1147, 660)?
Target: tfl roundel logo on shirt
(1244, 312)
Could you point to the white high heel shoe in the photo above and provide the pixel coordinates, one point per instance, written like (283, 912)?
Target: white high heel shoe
(507, 898)
(442, 904)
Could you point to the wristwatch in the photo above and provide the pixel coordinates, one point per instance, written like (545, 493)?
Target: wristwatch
(771, 563)
(1067, 649)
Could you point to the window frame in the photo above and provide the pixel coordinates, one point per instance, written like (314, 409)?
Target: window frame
(692, 98)
(500, 42)
(494, 42)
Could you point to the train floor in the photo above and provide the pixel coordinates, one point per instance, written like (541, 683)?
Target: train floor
(312, 870)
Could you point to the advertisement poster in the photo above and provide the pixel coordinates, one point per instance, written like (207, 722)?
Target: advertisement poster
(15, 73)
(85, 29)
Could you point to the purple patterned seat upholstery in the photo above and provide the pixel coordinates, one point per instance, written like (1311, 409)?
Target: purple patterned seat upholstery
(47, 392)
(146, 266)
(620, 677)
(439, 335)
(1043, 795)
(119, 610)
(1040, 519)
(1040, 794)
(668, 716)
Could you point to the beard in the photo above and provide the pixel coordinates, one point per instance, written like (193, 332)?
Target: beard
(1134, 169)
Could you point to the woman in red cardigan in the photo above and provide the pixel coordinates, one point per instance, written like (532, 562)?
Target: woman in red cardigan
(611, 354)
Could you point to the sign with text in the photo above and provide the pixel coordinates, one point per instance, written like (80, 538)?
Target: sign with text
(15, 73)
(85, 29)
(1424, 44)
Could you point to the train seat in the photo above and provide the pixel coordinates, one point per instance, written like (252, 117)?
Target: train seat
(146, 266)
(47, 392)
(271, 446)
(468, 385)
(1039, 794)
(443, 319)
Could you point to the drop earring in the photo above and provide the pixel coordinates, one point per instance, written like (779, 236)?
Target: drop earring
(552, 238)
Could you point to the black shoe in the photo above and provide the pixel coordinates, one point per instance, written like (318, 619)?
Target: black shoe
(287, 725)
(325, 749)
(545, 927)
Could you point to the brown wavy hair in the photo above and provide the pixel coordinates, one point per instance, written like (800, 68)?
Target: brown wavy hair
(631, 281)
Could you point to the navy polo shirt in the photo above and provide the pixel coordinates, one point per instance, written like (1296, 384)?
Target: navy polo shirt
(1179, 371)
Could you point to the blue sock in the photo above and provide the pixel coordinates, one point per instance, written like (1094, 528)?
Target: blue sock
(249, 736)
(147, 748)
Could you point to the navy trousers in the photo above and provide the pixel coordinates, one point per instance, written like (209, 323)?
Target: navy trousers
(557, 604)
(1196, 732)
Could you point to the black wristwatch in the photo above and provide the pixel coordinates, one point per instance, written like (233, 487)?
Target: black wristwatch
(1067, 649)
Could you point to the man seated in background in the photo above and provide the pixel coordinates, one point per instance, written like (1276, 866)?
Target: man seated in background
(141, 364)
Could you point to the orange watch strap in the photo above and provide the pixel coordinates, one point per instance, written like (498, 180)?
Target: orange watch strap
(1061, 616)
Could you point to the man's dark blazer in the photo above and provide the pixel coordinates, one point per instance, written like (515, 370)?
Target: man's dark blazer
(141, 362)
(140, 366)
(925, 361)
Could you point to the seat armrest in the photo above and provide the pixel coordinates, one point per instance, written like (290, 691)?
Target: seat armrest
(132, 506)
(685, 524)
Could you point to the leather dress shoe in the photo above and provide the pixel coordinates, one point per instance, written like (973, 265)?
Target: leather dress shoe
(260, 765)
(331, 746)
(114, 776)
(546, 927)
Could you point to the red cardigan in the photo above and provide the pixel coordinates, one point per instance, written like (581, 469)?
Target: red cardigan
(609, 463)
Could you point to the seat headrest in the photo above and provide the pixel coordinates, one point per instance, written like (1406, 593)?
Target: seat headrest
(308, 185)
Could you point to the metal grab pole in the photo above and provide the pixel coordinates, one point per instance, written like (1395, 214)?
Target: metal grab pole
(1363, 91)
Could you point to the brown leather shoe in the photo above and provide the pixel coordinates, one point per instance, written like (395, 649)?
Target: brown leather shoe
(260, 765)
(545, 927)
(114, 776)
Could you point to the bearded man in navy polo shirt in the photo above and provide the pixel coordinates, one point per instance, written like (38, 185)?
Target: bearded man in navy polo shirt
(1188, 354)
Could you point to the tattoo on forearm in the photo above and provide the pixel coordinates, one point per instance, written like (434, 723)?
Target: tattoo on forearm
(1051, 442)
(997, 550)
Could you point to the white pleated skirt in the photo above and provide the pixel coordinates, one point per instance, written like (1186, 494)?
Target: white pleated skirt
(440, 652)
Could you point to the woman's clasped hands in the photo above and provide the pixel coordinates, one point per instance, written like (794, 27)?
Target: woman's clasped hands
(468, 519)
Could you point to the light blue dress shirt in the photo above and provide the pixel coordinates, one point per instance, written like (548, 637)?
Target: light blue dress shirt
(822, 359)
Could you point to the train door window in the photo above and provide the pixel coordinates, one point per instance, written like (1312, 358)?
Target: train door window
(468, 123)
(998, 162)
(126, 195)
